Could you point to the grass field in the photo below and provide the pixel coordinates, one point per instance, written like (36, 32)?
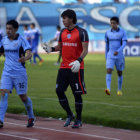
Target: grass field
(114, 111)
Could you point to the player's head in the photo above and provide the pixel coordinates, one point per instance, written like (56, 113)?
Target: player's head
(25, 27)
(69, 17)
(11, 28)
(58, 27)
(114, 21)
(32, 26)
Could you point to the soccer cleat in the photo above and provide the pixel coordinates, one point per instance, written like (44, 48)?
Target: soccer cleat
(41, 61)
(1, 124)
(68, 120)
(30, 122)
(119, 93)
(107, 91)
(77, 124)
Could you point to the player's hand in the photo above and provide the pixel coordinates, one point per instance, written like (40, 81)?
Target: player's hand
(46, 47)
(115, 53)
(75, 66)
(22, 59)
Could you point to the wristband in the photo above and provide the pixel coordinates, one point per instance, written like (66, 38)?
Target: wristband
(80, 59)
(53, 49)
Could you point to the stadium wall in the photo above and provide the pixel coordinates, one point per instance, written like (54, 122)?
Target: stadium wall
(94, 18)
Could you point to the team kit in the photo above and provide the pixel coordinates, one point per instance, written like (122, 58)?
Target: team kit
(73, 44)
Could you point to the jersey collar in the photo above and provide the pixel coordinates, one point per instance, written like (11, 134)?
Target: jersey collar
(115, 30)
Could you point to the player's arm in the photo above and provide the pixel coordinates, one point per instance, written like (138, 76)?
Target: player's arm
(106, 45)
(27, 56)
(124, 41)
(76, 64)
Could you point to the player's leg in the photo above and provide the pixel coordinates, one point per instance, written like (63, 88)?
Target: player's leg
(21, 89)
(6, 87)
(78, 87)
(120, 63)
(109, 66)
(61, 86)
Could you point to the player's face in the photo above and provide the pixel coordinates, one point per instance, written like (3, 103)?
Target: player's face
(67, 21)
(114, 24)
(11, 31)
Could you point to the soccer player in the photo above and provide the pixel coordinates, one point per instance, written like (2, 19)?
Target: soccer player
(115, 39)
(73, 42)
(14, 75)
(56, 38)
(35, 35)
(27, 34)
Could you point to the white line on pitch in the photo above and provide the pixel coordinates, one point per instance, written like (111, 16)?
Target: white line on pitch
(5, 134)
(64, 131)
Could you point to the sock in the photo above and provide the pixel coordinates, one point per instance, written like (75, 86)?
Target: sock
(64, 103)
(34, 58)
(3, 106)
(38, 57)
(108, 81)
(120, 80)
(79, 107)
(29, 108)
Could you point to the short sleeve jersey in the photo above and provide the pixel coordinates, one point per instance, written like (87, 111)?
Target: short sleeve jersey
(13, 50)
(114, 39)
(57, 34)
(27, 35)
(35, 34)
(71, 41)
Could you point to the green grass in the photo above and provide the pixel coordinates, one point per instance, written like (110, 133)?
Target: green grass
(113, 111)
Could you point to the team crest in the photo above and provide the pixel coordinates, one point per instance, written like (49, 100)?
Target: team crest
(69, 36)
(16, 45)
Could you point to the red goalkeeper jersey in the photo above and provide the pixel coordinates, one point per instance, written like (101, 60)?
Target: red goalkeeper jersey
(71, 41)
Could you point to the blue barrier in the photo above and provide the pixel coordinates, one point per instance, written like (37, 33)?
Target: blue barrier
(94, 18)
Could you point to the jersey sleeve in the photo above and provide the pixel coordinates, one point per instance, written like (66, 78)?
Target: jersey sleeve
(60, 36)
(1, 47)
(25, 44)
(84, 36)
(124, 38)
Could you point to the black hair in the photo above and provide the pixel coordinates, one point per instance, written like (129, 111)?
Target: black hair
(58, 27)
(70, 14)
(33, 24)
(14, 23)
(115, 19)
(26, 26)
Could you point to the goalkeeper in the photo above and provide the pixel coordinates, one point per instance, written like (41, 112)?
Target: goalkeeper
(73, 42)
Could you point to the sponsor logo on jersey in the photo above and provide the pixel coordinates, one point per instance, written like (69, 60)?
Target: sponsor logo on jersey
(69, 36)
(70, 44)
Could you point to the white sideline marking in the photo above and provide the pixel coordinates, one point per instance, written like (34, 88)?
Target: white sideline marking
(17, 136)
(90, 102)
(64, 131)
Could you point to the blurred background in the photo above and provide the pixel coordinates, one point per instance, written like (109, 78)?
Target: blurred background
(93, 15)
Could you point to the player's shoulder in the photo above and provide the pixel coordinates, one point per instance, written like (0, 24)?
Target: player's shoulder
(80, 29)
(4, 39)
(121, 30)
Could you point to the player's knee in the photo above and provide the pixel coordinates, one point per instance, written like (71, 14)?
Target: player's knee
(60, 93)
(78, 98)
(23, 97)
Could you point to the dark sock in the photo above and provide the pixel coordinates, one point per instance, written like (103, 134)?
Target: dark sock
(64, 103)
(79, 107)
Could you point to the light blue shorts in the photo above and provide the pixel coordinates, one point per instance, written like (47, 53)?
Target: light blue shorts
(19, 83)
(119, 63)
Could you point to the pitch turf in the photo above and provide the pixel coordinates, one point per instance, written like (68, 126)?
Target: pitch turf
(115, 111)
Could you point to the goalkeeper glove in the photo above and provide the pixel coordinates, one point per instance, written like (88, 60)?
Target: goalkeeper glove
(76, 65)
(47, 48)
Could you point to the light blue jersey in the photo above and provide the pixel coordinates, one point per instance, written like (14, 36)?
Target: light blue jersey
(13, 50)
(115, 42)
(35, 34)
(27, 35)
